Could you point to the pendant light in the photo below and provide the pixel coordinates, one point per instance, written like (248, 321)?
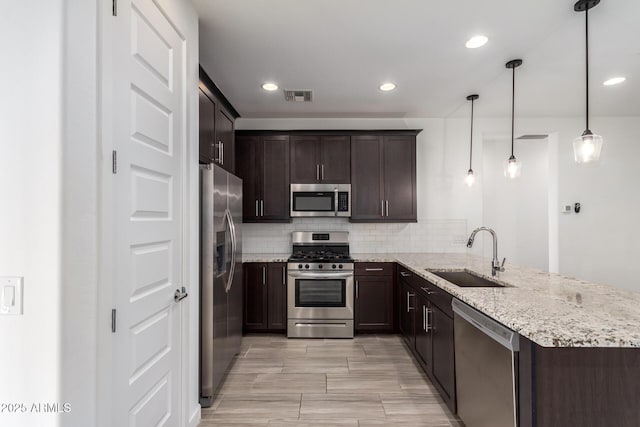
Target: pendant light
(512, 167)
(586, 148)
(470, 179)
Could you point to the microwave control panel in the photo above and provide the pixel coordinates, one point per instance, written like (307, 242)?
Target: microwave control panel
(343, 201)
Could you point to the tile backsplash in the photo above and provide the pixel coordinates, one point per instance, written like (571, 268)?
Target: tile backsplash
(427, 235)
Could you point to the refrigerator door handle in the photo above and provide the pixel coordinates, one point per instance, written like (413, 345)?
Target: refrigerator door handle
(232, 229)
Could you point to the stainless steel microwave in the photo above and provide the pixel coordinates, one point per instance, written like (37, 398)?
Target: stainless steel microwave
(317, 200)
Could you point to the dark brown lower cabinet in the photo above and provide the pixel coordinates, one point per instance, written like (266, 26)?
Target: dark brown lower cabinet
(443, 362)
(374, 297)
(427, 329)
(265, 297)
(406, 316)
(578, 386)
(374, 304)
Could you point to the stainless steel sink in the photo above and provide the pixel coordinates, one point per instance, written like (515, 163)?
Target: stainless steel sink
(464, 279)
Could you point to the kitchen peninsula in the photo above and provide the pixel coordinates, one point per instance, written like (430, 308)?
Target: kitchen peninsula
(579, 349)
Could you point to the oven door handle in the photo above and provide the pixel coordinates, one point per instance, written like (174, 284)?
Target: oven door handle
(321, 275)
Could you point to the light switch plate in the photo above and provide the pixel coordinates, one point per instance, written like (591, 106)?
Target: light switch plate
(11, 295)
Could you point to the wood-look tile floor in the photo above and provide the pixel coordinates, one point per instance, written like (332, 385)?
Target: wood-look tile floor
(369, 381)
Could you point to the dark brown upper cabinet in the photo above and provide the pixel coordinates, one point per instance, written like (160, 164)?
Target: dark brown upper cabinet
(217, 124)
(320, 159)
(383, 178)
(207, 113)
(263, 164)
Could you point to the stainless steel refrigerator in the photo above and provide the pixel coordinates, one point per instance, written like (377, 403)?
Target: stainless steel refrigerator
(220, 276)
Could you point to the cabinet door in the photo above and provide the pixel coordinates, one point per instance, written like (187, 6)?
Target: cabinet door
(424, 342)
(274, 203)
(206, 127)
(335, 159)
(374, 303)
(399, 170)
(407, 314)
(224, 136)
(366, 178)
(277, 296)
(255, 296)
(443, 353)
(305, 159)
(248, 167)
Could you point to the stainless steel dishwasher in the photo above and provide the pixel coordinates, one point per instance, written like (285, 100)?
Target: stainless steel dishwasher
(486, 361)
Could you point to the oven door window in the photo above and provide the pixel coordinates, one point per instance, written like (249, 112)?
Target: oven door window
(321, 293)
(313, 201)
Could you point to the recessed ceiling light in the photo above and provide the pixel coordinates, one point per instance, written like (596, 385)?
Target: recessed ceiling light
(269, 86)
(614, 81)
(476, 41)
(387, 87)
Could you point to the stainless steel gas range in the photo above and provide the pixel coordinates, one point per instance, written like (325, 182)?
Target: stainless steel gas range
(320, 286)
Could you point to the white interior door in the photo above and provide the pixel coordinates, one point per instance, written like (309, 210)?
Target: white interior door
(149, 136)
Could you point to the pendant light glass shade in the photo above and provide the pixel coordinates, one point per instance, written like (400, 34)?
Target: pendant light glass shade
(512, 168)
(470, 178)
(587, 147)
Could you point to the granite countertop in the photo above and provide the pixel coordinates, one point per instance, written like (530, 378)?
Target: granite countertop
(265, 257)
(549, 309)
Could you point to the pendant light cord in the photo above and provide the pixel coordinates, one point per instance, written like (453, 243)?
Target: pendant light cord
(471, 144)
(513, 107)
(586, 27)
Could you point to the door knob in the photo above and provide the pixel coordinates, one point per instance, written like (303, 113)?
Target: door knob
(180, 294)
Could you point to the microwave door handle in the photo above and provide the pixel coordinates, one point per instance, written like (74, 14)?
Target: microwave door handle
(335, 201)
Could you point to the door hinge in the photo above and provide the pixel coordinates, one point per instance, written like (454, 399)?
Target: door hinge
(113, 320)
(114, 161)
(114, 7)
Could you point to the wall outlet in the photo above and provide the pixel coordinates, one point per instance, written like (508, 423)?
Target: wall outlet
(10, 295)
(567, 209)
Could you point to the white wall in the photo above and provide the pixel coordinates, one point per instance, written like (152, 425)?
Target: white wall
(31, 143)
(520, 218)
(597, 244)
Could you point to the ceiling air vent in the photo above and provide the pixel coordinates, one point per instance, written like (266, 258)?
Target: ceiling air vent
(298, 95)
(533, 136)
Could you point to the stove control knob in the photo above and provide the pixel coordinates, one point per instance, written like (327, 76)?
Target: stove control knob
(306, 266)
(333, 266)
(299, 265)
(319, 265)
(340, 266)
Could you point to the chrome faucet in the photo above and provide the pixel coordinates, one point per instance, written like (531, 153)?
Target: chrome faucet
(495, 263)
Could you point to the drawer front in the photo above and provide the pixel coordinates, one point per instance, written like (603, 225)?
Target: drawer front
(374, 269)
(437, 296)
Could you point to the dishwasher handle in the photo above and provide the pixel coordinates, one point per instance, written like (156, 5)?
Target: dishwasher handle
(496, 331)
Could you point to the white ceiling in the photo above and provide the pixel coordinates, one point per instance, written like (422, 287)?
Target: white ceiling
(343, 49)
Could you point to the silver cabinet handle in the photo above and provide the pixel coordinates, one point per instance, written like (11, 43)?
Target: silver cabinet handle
(220, 152)
(322, 172)
(373, 269)
(284, 275)
(357, 290)
(382, 206)
(429, 327)
(257, 214)
(222, 156)
(428, 291)
(409, 295)
(405, 274)
(261, 207)
(317, 172)
(386, 203)
(264, 275)
(424, 318)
